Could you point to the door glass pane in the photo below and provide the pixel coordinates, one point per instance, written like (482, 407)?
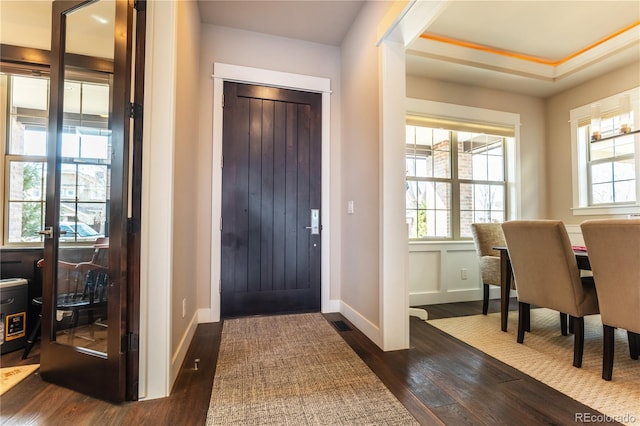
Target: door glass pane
(83, 269)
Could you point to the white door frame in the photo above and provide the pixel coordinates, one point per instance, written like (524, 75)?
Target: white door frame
(226, 72)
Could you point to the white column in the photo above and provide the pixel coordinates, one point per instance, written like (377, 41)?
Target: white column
(394, 287)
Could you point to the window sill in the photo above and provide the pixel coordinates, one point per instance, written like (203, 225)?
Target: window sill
(439, 242)
(606, 210)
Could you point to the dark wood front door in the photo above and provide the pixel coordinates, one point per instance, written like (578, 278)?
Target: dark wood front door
(270, 259)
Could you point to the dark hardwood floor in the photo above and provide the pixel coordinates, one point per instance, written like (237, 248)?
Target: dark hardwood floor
(440, 380)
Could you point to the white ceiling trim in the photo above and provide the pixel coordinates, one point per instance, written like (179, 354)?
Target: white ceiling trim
(463, 55)
(496, 62)
(625, 40)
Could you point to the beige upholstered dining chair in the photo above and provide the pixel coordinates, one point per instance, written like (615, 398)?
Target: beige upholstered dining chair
(546, 271)
(486, 236)
(614, 253)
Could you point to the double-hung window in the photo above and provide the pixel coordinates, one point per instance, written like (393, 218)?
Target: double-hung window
(605, 156)
(460, 168)
(454, 178)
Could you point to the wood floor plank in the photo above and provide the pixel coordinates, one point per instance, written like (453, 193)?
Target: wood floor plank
(440, 380)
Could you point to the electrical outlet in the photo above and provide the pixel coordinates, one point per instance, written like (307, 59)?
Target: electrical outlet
(463, 273)
(184, 308)
(350, 207)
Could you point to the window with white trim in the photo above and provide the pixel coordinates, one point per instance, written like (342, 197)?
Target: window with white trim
(605, 141)
(458, 171)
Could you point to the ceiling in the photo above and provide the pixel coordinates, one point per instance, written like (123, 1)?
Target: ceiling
(318, 21)
(527, 47)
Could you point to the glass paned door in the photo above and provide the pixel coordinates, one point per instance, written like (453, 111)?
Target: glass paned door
(85, 286)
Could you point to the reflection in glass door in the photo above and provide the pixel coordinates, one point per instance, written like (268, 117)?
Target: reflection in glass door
(83, 270)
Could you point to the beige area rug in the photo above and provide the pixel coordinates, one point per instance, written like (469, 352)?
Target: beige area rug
(296, 370)
(11, 376)
(547, 356)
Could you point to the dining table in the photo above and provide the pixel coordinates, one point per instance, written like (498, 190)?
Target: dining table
(506, 275)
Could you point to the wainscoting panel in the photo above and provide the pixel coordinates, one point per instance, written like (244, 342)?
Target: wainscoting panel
(424, 271)
(463, 272)
(436, 271)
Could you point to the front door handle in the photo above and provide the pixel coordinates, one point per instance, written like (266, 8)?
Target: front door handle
(315, 222)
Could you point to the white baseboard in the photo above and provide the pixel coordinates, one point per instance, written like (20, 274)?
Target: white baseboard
(178, 357)
(331, 306)
(206, 315)
(369, 329)
(432, 298)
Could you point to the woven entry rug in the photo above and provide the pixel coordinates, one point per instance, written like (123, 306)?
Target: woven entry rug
(547, 356)
(11, 376)
(296, 370)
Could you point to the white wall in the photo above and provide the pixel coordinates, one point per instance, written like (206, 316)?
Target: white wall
(360, 172)
(185, 182)
(157, 201)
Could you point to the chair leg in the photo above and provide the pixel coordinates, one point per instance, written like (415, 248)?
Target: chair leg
(485, 298)
(570, 324)
(563, 324)
(75, 316)
(608, 333)
(523, 319)
(578, 341)
(634, 344)
(33, 336)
